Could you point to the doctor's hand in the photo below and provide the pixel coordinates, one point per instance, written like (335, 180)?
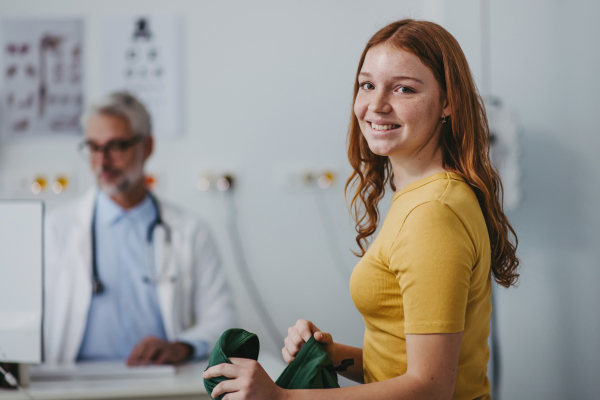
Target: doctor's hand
(299, 334)
(249, 381)
(152, 350)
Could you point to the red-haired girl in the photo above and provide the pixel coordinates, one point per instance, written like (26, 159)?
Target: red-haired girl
(424, 284)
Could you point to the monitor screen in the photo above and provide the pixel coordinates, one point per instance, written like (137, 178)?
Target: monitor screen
(21, 281)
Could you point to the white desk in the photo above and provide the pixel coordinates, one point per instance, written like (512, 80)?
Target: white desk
(186, 384)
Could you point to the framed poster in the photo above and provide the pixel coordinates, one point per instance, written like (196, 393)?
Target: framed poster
(42, 76)
(142, 55)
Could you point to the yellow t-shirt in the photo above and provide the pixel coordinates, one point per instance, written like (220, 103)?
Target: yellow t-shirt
(428, 271)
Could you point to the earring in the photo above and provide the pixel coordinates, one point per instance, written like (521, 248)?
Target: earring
(444, 119)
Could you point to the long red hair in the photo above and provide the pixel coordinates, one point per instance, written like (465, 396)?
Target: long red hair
(465, 143)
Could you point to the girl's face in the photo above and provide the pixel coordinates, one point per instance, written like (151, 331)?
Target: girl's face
(399, 104)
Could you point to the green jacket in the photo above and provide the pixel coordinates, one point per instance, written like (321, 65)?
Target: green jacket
(311, 369)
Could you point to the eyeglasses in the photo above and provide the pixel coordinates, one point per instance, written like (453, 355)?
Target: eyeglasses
(113, 149)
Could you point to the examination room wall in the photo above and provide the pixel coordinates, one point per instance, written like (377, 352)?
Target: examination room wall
(267, 89)
(545, 63)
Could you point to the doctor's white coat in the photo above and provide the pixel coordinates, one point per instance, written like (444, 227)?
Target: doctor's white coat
(195, 299)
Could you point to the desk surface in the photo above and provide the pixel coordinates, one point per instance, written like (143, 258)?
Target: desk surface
(187, 383)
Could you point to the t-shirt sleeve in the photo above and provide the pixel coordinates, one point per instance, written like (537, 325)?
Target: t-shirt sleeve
(433, 258)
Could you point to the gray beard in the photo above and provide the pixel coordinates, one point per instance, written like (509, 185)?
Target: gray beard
(120, 187)
(126, 183)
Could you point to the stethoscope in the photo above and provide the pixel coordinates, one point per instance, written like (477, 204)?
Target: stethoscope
(97, 285)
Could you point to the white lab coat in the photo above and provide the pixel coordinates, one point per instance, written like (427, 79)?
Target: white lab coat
(195, 300)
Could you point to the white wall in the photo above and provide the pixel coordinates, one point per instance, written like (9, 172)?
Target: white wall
(545, 66)
(268, 85)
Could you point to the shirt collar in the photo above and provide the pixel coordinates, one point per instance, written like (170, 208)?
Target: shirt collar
(108, 212)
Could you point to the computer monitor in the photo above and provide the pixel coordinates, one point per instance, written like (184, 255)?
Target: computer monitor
(21, 281)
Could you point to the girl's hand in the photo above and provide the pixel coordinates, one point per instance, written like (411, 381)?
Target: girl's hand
(250, 381)
(299, 334)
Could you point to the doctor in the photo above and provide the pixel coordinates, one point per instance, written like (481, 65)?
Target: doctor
(128, 276)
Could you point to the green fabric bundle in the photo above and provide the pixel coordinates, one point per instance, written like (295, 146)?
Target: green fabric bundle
(232, 343)
(311, 369)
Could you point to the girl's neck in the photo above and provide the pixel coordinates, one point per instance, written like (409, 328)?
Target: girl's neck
(410, 169)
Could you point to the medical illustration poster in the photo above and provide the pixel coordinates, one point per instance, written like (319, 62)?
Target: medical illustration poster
(42, 76)
(142, 54)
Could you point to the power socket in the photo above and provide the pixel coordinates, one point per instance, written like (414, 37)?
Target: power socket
(34, 184)
(301, 178)
(211, 180)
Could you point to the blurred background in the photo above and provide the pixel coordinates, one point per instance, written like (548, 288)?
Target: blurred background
(262, 90)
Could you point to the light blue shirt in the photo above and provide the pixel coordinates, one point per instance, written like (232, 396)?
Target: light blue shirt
(128, 309)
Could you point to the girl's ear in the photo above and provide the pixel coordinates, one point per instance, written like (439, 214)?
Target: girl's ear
(446, 107)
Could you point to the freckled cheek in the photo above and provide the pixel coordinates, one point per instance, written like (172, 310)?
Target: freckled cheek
(361, 105)
(360, 108)
(357, 110)
(414, 113)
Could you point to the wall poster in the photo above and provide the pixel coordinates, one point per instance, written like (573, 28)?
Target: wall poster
(142, 54)
(41, 89)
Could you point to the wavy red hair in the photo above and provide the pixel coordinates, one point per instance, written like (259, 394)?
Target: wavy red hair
(465, 143)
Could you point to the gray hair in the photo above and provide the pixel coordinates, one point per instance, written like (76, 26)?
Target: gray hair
(123, 105)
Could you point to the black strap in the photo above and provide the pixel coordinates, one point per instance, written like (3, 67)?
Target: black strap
(344, 365)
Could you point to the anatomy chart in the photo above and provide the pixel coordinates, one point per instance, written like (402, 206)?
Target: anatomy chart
(42, 76)
(142, 54)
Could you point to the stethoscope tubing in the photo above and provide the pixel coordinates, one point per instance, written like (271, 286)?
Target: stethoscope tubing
(97, 285)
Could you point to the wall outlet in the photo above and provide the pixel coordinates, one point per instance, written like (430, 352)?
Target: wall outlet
(305, 178)
(215, 180)
(39, 184)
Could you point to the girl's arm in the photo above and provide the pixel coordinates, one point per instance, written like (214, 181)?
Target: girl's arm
(432, 366)
(343, 352)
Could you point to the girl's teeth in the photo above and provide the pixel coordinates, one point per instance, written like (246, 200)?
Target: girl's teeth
(383, 127)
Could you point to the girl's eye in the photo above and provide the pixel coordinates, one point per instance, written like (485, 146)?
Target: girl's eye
(404, 89)
(367, 86)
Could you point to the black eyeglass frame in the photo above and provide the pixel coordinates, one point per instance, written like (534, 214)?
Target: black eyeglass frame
(112, 148)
